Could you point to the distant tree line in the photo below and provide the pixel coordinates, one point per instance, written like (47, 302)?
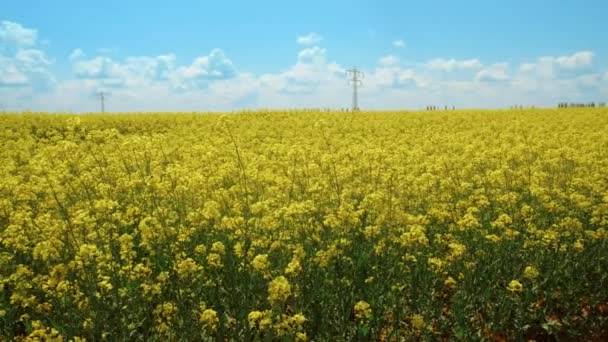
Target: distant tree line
(521, 107)
(578, 105)
(432, 108)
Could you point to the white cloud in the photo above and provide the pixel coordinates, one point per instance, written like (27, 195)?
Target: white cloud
(315, 55)
(589, 80)
(549, 68)
(309, 39)
(32, 57)
(577, 60)
(142, 70)
(312, 79)
(399, 43)
(448, 65)
(23, 64)
(155, 68)
(527, 67)
(389, 61)
(381, 78)
(494, 73)
(96, 68)
(310, 70)
(76, 54)
(215, 66)
(14, 33)
(390, 74)
(10, 75)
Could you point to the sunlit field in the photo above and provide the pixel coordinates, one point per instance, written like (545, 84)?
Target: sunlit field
(305, 225)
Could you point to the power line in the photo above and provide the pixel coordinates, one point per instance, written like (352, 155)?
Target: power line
(355, 79)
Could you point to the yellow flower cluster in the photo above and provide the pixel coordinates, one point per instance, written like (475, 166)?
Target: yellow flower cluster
(515, 286)
(209, 319)
(417, 321)
(363, 311)
(531, 272)
(261, 264)
(260, 320)
(279, 290)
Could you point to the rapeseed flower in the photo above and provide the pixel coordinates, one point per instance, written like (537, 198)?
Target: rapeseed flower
(209, 319)
(363, 311)
(279, 290)
(515, 286)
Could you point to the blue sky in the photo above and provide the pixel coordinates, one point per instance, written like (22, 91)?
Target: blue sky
(230, 55)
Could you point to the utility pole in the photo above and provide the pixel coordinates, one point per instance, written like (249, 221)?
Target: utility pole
(355, 79)
(102, 98)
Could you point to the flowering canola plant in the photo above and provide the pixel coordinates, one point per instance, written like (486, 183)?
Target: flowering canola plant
(305, 225)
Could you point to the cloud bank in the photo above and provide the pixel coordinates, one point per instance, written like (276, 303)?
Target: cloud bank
(213, 81)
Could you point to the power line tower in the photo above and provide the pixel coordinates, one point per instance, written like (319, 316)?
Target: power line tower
(355, 77)
(102, 99)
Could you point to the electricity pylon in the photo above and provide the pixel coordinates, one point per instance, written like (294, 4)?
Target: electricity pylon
(102, 99)
(355, 79)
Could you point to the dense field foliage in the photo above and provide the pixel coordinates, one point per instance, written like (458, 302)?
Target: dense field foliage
(301, 226)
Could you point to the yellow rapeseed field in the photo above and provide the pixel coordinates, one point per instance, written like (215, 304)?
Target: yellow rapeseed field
(305, 225)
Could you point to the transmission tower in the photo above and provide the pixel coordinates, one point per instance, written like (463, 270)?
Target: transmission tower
(355, 77)
(102, 99)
